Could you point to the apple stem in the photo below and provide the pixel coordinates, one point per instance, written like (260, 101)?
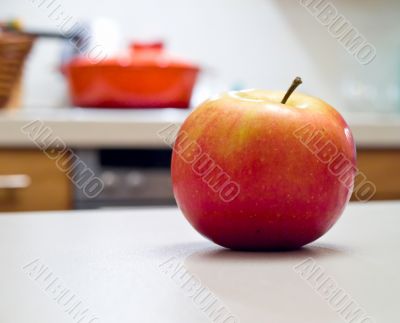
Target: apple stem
(296, 82)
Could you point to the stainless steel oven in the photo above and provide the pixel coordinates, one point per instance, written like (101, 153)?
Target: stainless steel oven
(131, 177)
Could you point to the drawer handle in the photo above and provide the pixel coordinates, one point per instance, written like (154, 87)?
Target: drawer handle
(9, 182)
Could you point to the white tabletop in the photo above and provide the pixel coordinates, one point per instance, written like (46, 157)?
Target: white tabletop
(94, 128)
(120, 265)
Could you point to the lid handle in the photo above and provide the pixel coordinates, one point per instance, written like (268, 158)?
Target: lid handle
(147, 46)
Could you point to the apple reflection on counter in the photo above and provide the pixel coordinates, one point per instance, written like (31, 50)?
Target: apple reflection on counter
(227, 285)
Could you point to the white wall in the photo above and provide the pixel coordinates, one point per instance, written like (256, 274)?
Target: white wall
(257, 43)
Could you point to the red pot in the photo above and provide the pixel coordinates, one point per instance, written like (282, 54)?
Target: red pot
(145, 77)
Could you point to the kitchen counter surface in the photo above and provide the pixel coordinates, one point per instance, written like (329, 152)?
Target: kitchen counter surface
(148, 265)
(91, 128)
(87, 128)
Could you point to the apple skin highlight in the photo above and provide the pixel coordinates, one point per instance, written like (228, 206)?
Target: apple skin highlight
(288, 197)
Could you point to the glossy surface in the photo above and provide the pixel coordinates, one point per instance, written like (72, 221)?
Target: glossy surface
(287, 196)
(110, 259)
(143, 77)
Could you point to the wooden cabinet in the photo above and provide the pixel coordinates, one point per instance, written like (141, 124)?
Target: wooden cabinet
(382, 168)
(30, 180)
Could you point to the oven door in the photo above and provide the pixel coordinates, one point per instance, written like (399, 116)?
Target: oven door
(130, 177)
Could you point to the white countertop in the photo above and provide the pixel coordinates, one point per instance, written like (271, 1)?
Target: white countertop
(85, 128)
(119, 264)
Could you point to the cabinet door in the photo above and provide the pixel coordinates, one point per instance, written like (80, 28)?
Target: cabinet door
(382, 168)
(30, 181)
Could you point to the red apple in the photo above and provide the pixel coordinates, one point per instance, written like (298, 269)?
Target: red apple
(252, 173)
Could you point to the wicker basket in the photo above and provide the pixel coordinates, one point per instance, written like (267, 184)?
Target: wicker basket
(13, 52)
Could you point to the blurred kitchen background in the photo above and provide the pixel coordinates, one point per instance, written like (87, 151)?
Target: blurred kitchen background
(210, 45)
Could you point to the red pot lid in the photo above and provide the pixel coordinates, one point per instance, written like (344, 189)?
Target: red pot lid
(139, 54)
